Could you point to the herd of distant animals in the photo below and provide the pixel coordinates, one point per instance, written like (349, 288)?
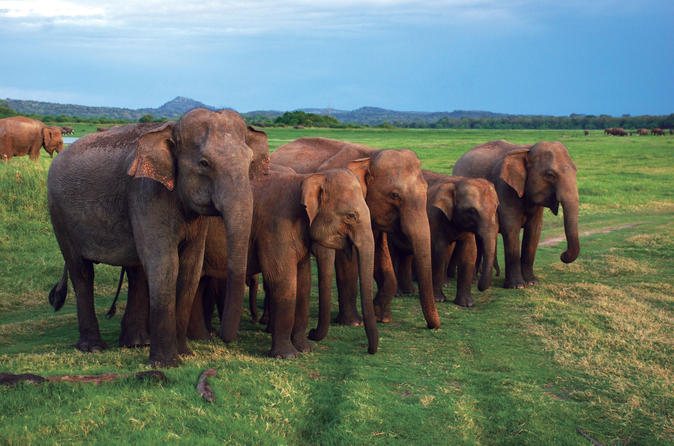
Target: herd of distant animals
(195, 209)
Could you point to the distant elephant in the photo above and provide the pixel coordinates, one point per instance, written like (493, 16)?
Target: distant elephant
(396, 197)
(133, 197)
(101, 129)
(292, 212)
(586, 132)
(527, 178)
(20, 136)
(642, 132)
(66, 130)
(658, 131)
(461, 212)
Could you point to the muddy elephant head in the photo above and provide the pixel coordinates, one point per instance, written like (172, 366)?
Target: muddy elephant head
(52, 139)
(546, 175)
(208, 158)
(338, 218)
(470, 205)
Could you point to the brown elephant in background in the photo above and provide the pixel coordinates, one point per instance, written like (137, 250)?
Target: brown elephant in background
(658, 131)
(20, 136)
(396, 197)
(462, 217)
(642, 132)
(134, 196)
(527, 178)
(66, 130)
(291, 213)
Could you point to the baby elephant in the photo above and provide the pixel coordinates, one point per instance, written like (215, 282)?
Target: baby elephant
(291, 212)
(462, 216)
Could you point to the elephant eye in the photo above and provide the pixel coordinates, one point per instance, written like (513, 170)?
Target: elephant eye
(395, 195)
(550, 175)
(204, 163)
(352, 216)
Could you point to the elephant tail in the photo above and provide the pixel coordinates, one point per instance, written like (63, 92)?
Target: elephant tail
(58, 294)
(113, 307)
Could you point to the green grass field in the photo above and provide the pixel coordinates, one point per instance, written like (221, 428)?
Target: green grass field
(591, 347)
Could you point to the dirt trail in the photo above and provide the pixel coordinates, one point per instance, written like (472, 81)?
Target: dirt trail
(554, 240)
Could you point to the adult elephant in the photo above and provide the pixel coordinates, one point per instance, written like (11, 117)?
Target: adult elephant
(527, 179)
(462, 217)
(25, 136)
(396, 197)
(291, 212)
(133, 197)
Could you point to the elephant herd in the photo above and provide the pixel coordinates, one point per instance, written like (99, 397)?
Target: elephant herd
(195, 210)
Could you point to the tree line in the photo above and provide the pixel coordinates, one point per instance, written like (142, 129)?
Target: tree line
(303, 119)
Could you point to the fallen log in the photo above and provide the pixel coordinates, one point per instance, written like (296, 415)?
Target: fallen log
(11, 379)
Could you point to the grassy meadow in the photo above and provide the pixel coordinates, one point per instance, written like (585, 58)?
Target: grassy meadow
(591, 347)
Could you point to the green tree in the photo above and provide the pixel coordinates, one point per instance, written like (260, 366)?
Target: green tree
(146, 118)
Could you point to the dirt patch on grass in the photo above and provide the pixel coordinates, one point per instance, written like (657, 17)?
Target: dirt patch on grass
(555, 240)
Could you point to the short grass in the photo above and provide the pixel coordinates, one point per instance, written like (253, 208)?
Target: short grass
(590, 347)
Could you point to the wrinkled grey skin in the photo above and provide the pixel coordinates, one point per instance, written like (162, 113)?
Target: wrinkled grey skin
(134, 196)
(527, 179)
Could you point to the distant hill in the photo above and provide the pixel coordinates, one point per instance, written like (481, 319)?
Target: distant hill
(375, 115)
(178, 106)
(171, 110)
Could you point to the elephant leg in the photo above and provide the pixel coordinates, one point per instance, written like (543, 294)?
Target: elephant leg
(197, 327)
(135, 329)
(282, 292)
(252, 282)
(513, 267)
(325, 260)
(190, 264)
(265, 319)
(465, 253)
(346, 267)
(299, 334)
(404, 275)
(386, 280)
(82, 278)
(532, 233)
(451, 263)
(441, 252)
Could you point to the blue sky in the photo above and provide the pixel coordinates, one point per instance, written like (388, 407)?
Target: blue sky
(510, 56)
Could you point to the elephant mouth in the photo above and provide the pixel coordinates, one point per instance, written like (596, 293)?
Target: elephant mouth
(205, 209)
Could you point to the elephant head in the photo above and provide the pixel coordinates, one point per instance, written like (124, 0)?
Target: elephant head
(339, 217)
(52, 140)
(470, 205)
(545, 174)
(206, 157)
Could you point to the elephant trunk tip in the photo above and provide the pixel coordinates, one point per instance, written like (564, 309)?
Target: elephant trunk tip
(569, 256)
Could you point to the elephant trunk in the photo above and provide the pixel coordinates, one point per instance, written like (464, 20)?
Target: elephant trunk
(570, 207)
(486, 240)
(415, 226)
(237, 215)
(364, 244)
(325, 261)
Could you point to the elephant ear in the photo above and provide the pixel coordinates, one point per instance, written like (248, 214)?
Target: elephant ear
(444, 198)
(154, 156)
(514, 170)
(312, 187)
(257, 141)
(361, 167)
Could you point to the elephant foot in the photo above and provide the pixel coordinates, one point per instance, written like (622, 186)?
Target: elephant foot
(165, 363)
(185, 351)
(530, 279)
(383, 315)
(264, 320)
(283, 351)
(302, 344)
(464, 301)
(406, 289)
(514, 283)
(91, 345)
(440, 296)
(135, 340)
(353, 320)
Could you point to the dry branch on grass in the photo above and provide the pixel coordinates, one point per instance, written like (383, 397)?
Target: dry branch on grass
(11, 379)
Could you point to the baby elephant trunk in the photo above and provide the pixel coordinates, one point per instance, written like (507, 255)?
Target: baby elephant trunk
(364, 244)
